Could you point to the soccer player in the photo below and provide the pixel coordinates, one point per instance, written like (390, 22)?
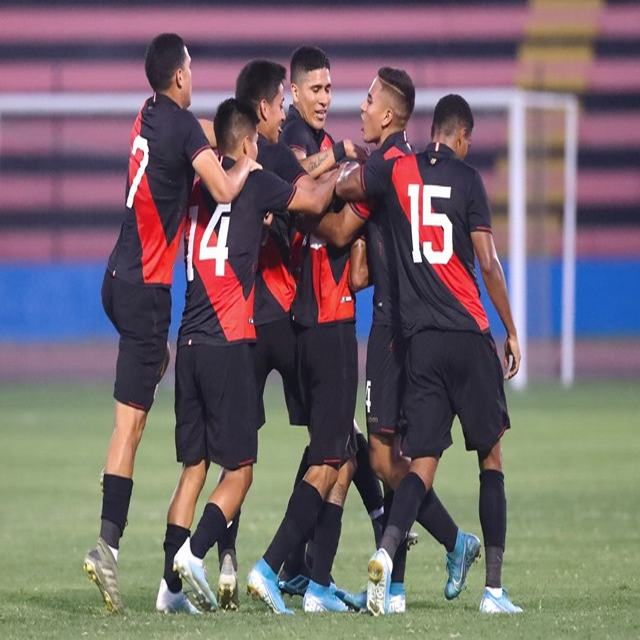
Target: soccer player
(440, 221)
(215, 379)
(323, 310)
(261, 83)
(167, 147)
(385, 113)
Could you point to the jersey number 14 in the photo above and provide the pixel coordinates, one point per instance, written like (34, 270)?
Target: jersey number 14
(219, 253)
(429, 219)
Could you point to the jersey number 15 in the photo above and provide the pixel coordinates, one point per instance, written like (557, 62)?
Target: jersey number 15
(429, 219)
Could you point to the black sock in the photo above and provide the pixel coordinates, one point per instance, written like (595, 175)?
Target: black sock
(116, 496)
(436, 520)
(365, 479)
(173, 539)
(298, 522)
(408, 498)
(295, 561)
(493, 520)
(210, 529)
(399, 563)
(326, 539)
(227, 542)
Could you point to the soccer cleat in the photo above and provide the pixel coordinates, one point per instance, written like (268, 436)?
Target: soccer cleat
(102, 569)
(355, 601)
(397, 598)
(194, 573)
(459, 561)
(501, 604)
(379, 569)
(228, 585)
(319, 599)
(169, 602)
(296, 586)
(262, 584)
(412, 539)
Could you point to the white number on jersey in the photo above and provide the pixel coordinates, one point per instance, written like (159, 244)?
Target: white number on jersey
(219, 253)
(139, 144)
(429, 219)
(367, 400)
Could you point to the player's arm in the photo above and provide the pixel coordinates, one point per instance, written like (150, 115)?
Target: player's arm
(209, 132)
(494, 280)
(340, 229)
(358, 267)
(313, 201)
(319, 163)
(350, 186)
(223, 185)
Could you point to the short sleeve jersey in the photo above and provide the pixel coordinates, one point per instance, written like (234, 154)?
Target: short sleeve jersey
(434, 201)
(379, 251)
(323, 295)
(164, 141)
(275, 282)
(222, 242)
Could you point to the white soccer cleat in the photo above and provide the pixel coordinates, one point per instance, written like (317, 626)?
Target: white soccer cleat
(169, 602)
(379, 585)
(493, 603)
(228, 585)
(194, 573)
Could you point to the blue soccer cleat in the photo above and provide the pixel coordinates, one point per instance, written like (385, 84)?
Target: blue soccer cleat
(192, 570)
(355, 601)
(295, 586)
(319, 599)
(379, 585)
(491, 603)
(262, 584)
(459, 561)
(397, 598)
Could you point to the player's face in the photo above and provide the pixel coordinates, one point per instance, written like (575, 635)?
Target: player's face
(184, 77)
(272, 116)
(312, 96)
(250, 145)
(375, 113)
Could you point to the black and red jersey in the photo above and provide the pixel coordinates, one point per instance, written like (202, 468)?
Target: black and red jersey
(276, 281)
(385, 306)
(434, 201)
(165, 139)
(222, 242)
(323, 295)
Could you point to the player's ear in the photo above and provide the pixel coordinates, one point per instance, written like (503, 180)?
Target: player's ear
(263, 107)
(387, 118)
(294, 91)
(179, 78)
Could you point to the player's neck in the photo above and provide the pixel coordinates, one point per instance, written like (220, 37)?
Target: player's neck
(176, 95)
(387, 133)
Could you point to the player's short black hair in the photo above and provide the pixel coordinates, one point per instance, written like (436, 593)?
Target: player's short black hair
(259, 80)
(305, 59)
(400, 84)
(165, 55)
(451, 112)
(234, 120)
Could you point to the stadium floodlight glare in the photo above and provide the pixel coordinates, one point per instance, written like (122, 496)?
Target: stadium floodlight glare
(515, 103)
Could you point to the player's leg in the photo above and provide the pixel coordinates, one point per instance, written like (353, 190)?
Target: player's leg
(482, 408)
(141, 315)
(227, 389)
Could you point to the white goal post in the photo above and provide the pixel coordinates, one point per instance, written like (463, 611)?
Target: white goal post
(514, 102)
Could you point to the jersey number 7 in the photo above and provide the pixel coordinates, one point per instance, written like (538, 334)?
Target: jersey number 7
(429, 219)
(219, 253)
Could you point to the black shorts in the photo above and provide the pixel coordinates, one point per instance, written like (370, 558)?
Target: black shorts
(452, 373)
(328, 366)
(141, 313)
(215, 405)
(276, 348)
(386, 352)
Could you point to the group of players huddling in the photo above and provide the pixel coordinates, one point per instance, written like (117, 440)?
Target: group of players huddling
(268, 289)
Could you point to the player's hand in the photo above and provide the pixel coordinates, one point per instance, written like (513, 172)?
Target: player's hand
(512, 357)
(354, 151)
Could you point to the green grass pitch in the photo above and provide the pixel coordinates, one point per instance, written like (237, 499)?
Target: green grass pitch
(572, 466)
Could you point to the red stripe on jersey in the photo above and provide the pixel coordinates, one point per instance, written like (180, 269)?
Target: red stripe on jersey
(453, 274)
(393, 152)
(233, 310)
(157, 258)
(334, 299)
(361, 209)
(277, 278)
(326, 143)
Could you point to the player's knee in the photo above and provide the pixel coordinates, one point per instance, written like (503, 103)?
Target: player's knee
(491, 459)
(380, 458)
(195, 474)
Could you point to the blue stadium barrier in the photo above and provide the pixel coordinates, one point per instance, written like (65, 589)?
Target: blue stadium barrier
(61, 302)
